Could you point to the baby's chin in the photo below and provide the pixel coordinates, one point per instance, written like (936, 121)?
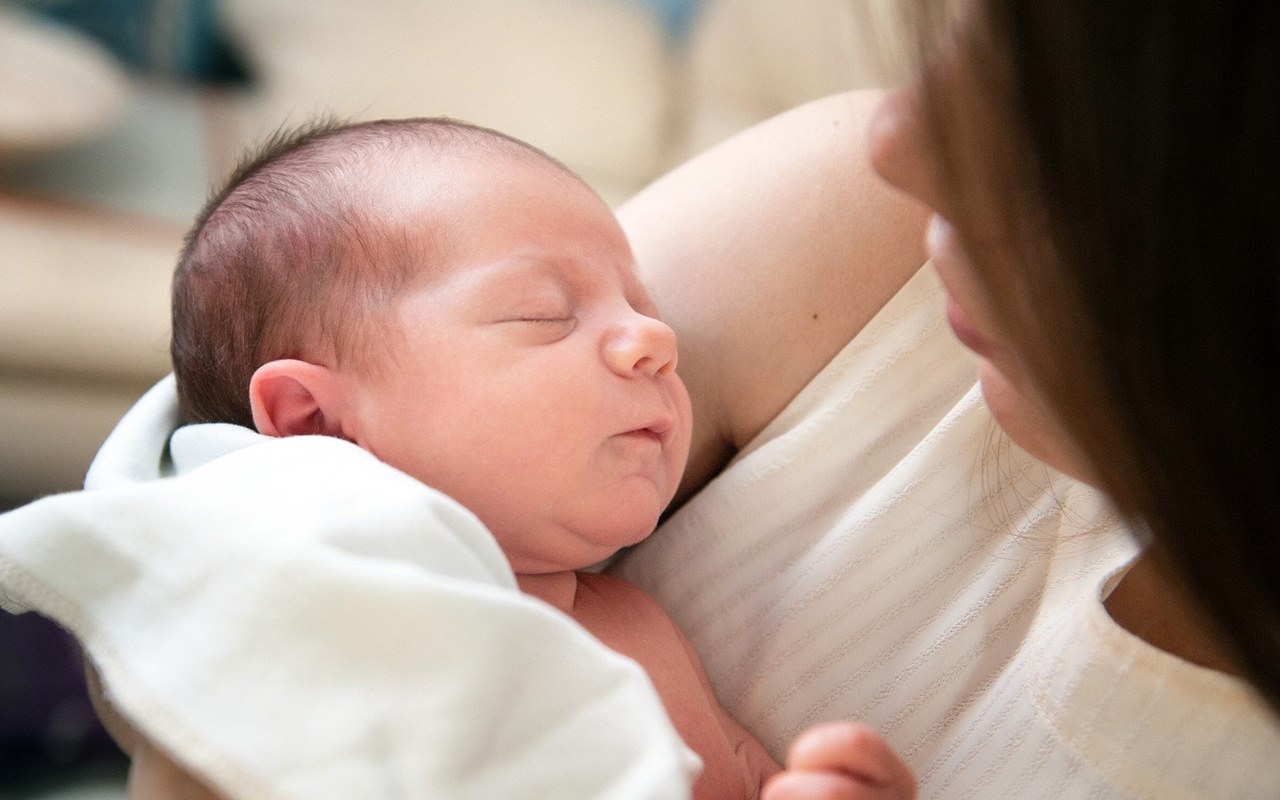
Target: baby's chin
(616, 542)
(634, 530)
(581, 549)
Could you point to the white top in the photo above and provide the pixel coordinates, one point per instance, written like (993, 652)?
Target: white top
(880, 552)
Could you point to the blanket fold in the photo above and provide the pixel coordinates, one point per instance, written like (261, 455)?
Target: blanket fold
(292, 618)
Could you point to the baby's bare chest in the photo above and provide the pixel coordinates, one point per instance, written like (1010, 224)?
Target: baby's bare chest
(628, 621)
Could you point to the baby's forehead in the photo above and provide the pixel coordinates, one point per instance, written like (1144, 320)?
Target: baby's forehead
(461, 190)
(437, 187)
(433, 163)
(447, 211)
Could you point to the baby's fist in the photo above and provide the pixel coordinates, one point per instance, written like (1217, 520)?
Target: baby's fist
(841, 761)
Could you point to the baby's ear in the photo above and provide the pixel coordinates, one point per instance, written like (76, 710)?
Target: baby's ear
(292, 398)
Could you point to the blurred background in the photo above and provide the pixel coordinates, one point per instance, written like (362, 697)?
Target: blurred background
(118, 116)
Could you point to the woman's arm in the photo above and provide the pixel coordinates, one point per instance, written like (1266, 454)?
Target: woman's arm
(767, 254)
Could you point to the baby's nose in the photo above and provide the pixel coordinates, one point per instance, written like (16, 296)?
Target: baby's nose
(641, 346)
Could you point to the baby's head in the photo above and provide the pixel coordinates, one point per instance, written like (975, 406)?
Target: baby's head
(303, 246)
(458, 304)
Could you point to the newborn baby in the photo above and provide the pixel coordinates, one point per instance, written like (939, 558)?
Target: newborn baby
(464, 308)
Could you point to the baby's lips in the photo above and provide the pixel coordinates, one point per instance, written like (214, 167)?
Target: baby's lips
(659, 429)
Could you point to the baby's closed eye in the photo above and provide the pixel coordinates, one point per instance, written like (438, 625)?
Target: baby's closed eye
(540, 327)
(542, 318)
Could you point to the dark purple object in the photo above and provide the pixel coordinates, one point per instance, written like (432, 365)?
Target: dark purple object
(47, 723)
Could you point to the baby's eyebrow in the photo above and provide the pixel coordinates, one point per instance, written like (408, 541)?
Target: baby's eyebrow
(522, 273)
(571, 276)
(523, 268)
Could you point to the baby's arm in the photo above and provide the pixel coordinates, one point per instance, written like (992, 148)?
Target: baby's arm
(755, 760)
(841, 761)
(155, 776)
(152, 774)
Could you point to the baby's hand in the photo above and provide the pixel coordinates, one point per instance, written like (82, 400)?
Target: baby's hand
(841, 761)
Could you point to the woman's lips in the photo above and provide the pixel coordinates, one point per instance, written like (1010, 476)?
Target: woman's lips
(950, 262)
(965, 330)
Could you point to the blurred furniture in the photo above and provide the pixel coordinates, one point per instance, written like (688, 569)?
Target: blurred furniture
(101, 168)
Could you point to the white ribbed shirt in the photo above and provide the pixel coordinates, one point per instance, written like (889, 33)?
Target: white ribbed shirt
(881, 552)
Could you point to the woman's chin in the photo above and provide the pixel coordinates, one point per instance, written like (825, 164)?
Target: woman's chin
(1027, 421)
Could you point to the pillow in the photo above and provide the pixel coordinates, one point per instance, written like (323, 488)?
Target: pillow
(752, 59)
(584, 80)
(55, 86)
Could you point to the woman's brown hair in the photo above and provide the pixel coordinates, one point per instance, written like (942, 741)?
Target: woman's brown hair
(1137, 153)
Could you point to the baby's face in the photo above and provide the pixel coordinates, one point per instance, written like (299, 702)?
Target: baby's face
(533, 381)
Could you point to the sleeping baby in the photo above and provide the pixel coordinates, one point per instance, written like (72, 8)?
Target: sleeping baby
(464, 308)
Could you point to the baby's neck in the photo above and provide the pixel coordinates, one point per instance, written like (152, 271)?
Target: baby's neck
(560, 589)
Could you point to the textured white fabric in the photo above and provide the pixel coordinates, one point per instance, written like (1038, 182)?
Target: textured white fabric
(881, 553)
(294, 619)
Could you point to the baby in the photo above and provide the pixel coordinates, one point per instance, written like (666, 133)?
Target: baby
(463, 307)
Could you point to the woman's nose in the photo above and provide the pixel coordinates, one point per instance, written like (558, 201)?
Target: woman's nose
(899, 147)
(640, 345)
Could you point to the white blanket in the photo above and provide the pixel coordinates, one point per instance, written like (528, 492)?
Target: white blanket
(294, 619)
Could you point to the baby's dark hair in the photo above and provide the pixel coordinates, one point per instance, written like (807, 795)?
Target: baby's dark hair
(290, 258)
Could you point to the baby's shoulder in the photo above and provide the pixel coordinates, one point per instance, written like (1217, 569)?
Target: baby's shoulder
(609, 590)
(613, 608)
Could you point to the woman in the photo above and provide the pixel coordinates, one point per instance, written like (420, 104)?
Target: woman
(862, 543)
(1102, 188)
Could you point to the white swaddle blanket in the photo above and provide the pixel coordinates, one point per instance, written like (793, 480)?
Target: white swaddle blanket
(294, 619)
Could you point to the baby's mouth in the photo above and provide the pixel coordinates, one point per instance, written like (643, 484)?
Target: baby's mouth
(646, 434)
(657, 429)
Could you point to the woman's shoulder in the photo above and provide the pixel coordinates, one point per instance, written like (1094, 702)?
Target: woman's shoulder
(767, 254)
